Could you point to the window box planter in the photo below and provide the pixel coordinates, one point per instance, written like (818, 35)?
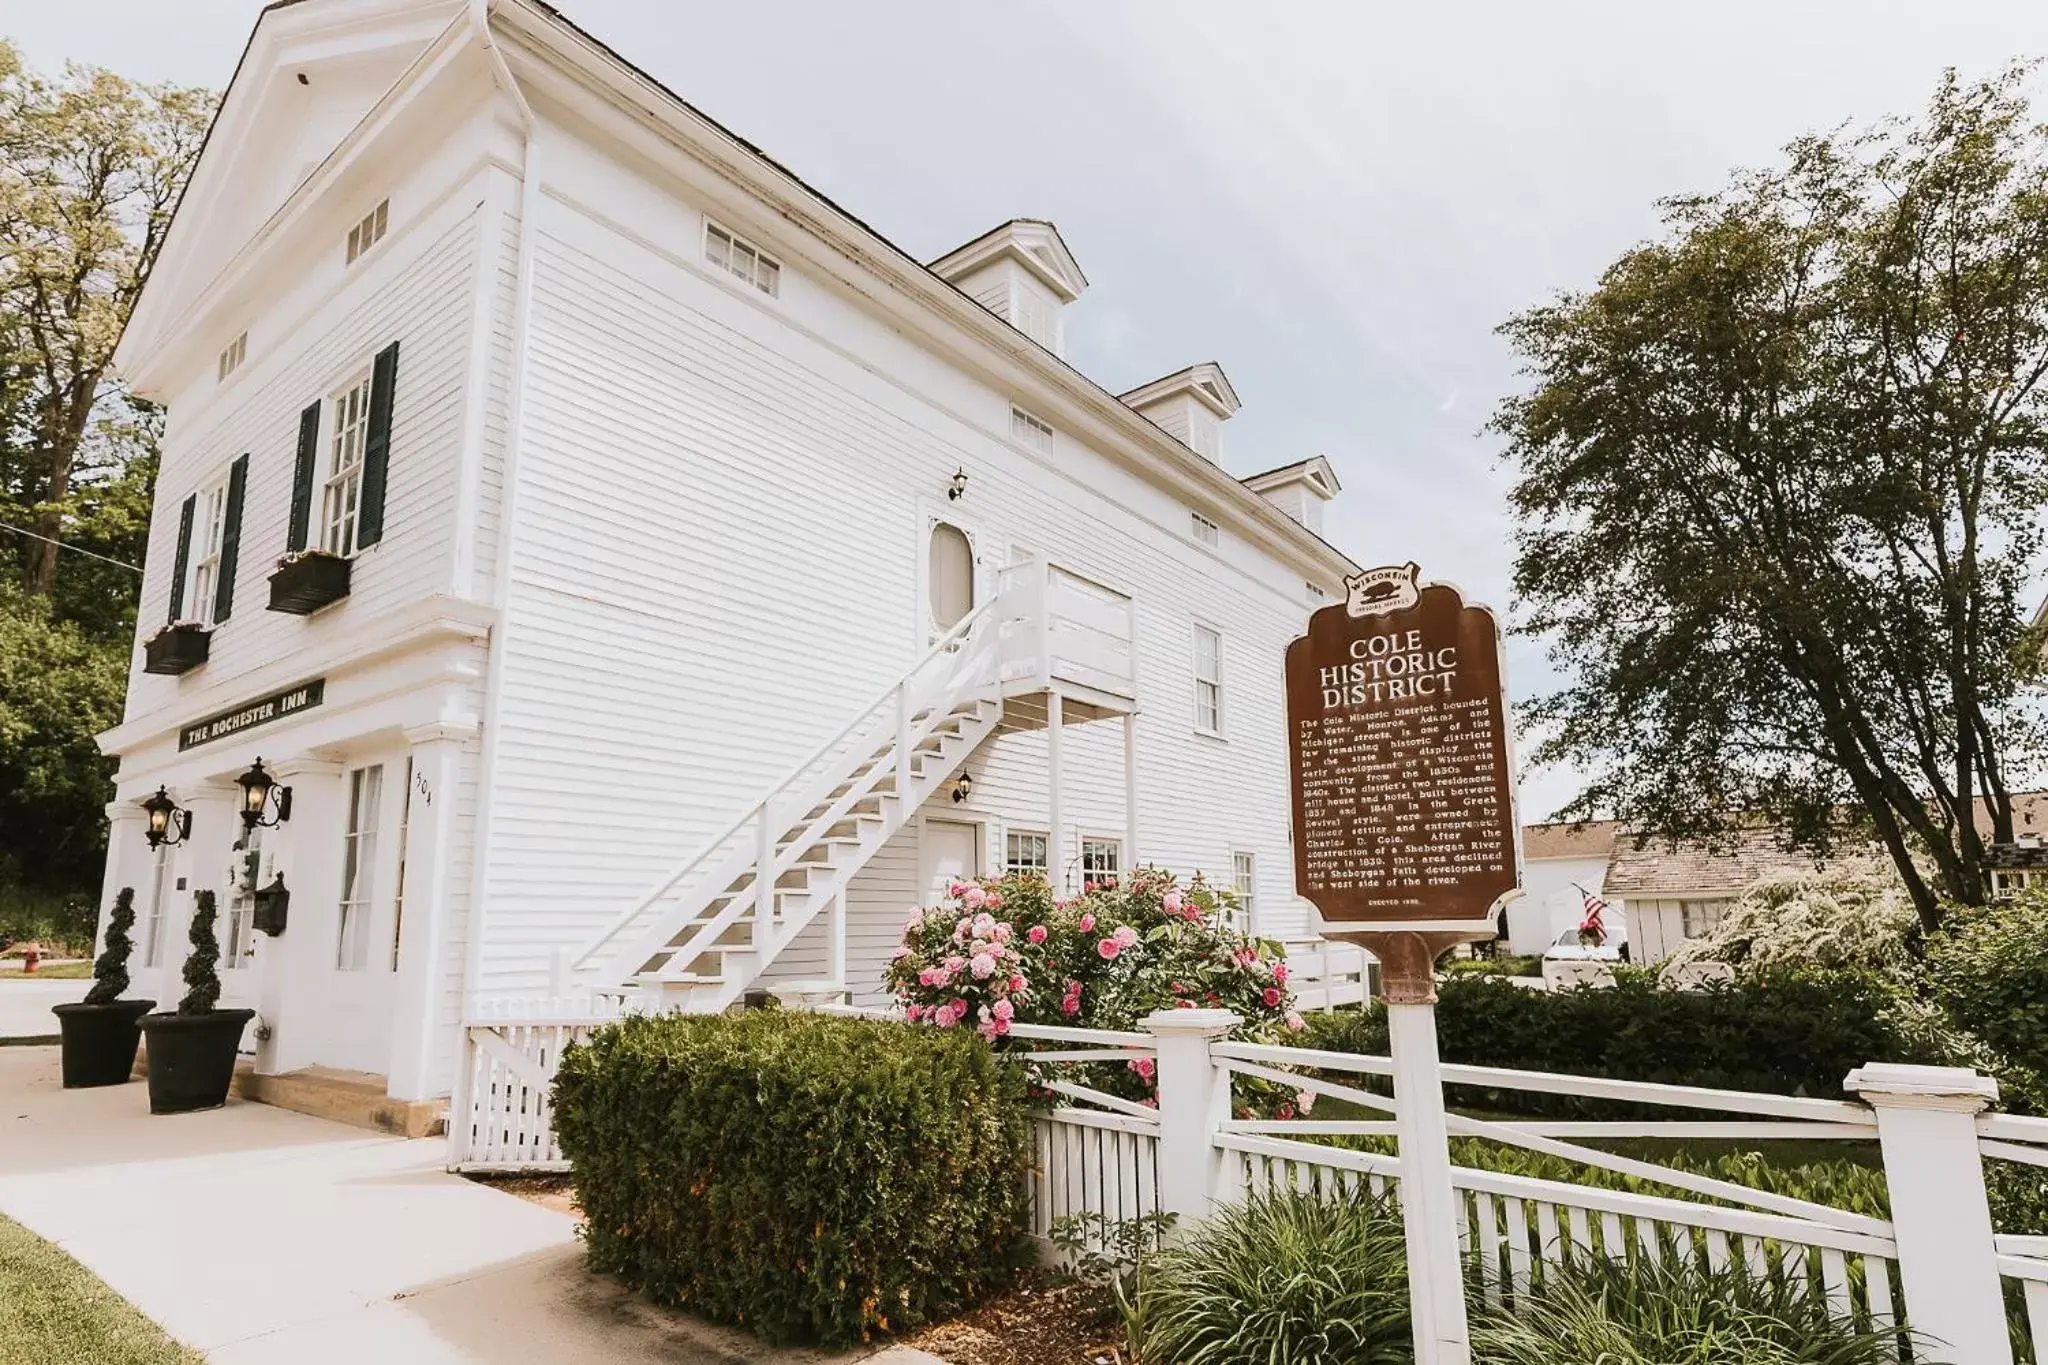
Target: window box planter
(178, 648)
(308, 581)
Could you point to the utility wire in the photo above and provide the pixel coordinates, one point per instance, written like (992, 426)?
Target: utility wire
(77, 550)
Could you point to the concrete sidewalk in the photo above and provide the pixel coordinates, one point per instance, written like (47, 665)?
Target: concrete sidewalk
(25, 1004)
(265, 1237)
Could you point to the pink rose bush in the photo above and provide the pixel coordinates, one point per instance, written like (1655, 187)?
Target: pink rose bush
(1007, 951)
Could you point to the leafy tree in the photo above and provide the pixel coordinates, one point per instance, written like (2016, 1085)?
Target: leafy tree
(94, 166)
(59, 687)
(1780, 479)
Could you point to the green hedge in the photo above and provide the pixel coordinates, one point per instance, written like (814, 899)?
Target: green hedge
(1788, 1035)
(807, 1177)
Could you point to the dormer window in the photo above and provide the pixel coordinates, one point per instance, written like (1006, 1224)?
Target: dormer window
(1023, 273)
(369, 232)
(741, 259)
(231, 357)
(1030, 431)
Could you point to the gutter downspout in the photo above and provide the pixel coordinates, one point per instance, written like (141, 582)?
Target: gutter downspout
(508, 522)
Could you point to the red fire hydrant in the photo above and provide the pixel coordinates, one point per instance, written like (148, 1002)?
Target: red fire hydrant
(30, 956)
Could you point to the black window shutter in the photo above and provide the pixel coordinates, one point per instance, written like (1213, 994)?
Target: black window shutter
(377, 447)
(230, 541)
(302, 476)
(184, 556)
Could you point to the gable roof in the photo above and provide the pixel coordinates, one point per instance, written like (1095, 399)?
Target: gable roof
(1593, 839)
(1033, 243)
(1206, 381)
(534, 35)
(1316, 471)
(1663, 868)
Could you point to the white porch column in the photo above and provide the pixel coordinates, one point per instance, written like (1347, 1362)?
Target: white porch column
(1056, 815)
(417, 1025)
(1130, 862)
(1194, 1102)
(1927, 1131)
(294, 966)
(130, 863)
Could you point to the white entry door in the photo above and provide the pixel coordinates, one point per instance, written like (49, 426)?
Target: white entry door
(952, 852)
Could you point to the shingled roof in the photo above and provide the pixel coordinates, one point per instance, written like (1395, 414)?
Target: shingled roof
(1593, 839)
(1661, 868)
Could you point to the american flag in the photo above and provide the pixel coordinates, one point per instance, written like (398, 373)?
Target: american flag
(1592, 924)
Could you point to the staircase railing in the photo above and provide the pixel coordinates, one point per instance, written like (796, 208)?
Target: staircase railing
(897, 704)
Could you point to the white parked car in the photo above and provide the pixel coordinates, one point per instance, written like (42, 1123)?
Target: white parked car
(1567, 948)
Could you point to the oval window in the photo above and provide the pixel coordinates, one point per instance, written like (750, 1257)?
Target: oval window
(951, 571)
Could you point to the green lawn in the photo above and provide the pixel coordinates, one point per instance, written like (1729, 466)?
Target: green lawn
(49, 971)
(53, 1311)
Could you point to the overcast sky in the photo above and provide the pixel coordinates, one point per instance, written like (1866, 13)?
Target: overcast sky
(1337, 201)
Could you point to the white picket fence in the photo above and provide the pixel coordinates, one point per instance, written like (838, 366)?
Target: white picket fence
(1108, 1159)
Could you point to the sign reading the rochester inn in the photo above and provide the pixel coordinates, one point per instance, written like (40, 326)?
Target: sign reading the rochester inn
(302, 697)
(1403, 796)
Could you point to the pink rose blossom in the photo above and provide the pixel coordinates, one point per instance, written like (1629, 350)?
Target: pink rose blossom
(1017, 984)
(995, 900)
(944, 1018)
(983, 966)
(984, 924)
(1307, 1100)
(1172, 903)
(1036, 933)
(1280, 972)
(1004, 1010)
(1192, 913)
(900, 953)
(1071, 1005)
(1109, 948)
(1125, 936)
(1001, 1027)
(1286, 1111)
(1295, 1021)
(956, 888)
(1087, 923)
(974, 898)
(1002, 934)
(1271, 995)
(913, 1012)
(987, 1031)
(1144, 1066)
(1183, 1004)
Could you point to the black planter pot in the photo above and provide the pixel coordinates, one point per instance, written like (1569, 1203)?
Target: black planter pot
(175, 651)
(99, 1041)
(307, 584)
(192, 1058)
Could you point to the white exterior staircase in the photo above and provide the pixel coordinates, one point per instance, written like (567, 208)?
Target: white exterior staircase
(708, 931)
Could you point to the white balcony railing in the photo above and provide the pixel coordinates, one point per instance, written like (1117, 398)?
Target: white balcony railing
(1059, 627)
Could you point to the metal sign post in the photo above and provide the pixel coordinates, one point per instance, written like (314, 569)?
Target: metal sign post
(1406, 843)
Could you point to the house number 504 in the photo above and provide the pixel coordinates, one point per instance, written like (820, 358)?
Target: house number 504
(421, 785)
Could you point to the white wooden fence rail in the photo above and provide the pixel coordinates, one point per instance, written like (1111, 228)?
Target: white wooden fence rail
(1102, 1159)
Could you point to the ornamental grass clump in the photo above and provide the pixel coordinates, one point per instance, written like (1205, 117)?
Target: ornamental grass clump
(1664, 1312)
(807, 1177)
(1282, 1278)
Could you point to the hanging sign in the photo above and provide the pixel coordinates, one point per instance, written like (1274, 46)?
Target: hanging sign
(1404, 807)
(250, 714)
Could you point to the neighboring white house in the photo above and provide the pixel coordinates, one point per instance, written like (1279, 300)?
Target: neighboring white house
(679, 521)
(1560, 863)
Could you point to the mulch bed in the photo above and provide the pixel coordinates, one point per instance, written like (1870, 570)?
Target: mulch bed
(1045, 1320)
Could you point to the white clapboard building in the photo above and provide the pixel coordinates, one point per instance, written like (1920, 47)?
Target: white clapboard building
(641, 573)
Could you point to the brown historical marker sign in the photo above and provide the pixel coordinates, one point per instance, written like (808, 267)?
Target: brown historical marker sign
(1404, 809)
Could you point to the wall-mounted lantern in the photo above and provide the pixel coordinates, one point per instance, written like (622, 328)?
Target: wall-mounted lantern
(271, 903)
(963, 788)
(257, 789)
(169, 823)
(958, 488)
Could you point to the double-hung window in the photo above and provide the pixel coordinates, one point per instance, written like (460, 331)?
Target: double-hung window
(202, 583)
(358, 867)
(1208, 680)
(1024, 851)
(342, 495)
(1244, 882)
(1101, 860)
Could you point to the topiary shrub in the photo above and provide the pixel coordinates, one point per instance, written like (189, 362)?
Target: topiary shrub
(110, 971)
(804, 1176)
(1285, 1277)
(202, 981)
